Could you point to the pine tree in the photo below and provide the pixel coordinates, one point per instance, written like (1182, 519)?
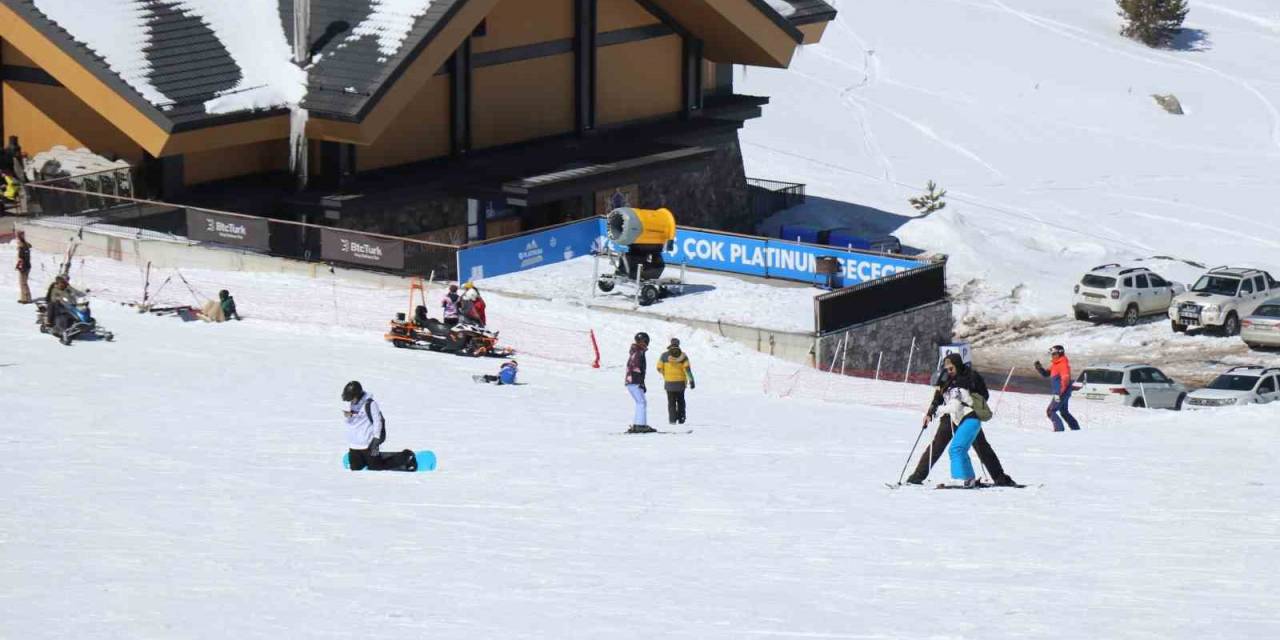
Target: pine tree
(931, 201)
(1154, 22)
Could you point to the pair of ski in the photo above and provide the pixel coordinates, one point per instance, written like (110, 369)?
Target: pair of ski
(943, 485)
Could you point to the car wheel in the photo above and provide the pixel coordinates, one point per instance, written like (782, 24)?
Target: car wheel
(1178, 328)
(1231, 327)
(1177, 406)
(1254, 346)
(1139, 404)
(1130, 316)
(1082, 315)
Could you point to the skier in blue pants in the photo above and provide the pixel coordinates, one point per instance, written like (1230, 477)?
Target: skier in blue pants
(958, 404)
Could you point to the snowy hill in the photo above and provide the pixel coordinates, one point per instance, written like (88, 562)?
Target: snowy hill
(1038, 118)
(184, 481)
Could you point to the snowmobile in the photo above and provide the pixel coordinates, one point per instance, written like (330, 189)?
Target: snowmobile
(83, 325)
(422, 332)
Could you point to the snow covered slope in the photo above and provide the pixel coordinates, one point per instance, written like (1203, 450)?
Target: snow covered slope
(1038, 118)
(184, 481)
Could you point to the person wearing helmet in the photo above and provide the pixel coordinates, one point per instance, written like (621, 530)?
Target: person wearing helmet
(676, 372)
(1059, 375)
(472, 306)
(60, 298)
(228, 305)
(506, 374)
(450, 303)
(366, 431)
(636, 366)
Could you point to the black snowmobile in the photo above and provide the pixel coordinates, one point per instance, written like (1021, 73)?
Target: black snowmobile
(80, 324)
(463, 339)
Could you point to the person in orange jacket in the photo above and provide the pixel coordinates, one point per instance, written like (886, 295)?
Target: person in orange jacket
(1059, 375)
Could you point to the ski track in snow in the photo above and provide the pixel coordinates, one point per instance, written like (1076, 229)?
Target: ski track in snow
(1151, 56)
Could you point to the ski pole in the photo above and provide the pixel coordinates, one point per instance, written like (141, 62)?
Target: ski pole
(913, 451)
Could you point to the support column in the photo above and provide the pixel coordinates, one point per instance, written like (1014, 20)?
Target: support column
(584, 65)
(692, 74)
(460, 99)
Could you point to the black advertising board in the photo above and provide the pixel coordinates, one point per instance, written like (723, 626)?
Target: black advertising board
(251, 233)
(358, 248)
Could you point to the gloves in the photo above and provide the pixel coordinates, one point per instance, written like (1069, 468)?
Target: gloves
(643, 390)
(692, 385)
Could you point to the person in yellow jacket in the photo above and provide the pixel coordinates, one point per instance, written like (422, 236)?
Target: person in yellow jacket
(8, 191)
(675, 370)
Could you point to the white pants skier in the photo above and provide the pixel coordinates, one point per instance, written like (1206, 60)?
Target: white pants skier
(642, 404)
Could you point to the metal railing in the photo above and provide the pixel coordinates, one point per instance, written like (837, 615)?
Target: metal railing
(771, 196)
(139, 218)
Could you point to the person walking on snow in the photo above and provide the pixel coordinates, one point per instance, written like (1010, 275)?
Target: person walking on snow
(957, 401)
(946, 431)
(366, 431)
(23, 268)
(1059, 375)
(675, 370)
(450, 304)
(636, 366)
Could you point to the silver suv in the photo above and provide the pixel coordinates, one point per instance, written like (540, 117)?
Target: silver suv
(1220, 299)
(1110, 292)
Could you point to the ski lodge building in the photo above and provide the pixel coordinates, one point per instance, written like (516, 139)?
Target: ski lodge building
(450, 120)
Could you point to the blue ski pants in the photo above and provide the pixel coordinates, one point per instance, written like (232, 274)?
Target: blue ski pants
(642, 405)
(1057, 407)
(966, 433)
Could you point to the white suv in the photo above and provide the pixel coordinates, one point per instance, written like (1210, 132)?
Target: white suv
(1132, 385)
(1110, 291)
(1239, 385)
(1220, 299)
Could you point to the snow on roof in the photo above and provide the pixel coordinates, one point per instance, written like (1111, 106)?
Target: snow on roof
(252, 32)
(390, 21)
(115, 30)
(782, 6)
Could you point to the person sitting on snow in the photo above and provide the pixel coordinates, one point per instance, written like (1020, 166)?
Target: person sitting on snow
(221, 310)
(506, 374)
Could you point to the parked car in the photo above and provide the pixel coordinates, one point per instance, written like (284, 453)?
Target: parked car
(1262, 329)
(1132, 385)
(1239, 385)
(1110, 292)
(1220, 299)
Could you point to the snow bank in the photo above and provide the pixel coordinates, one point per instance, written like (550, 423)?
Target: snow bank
(782, 7)
(115, 30)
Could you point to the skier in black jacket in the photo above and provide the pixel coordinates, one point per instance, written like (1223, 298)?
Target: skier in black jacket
(636, 365)
(971, 380)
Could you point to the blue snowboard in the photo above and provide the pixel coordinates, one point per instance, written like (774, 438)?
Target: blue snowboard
(426, 460)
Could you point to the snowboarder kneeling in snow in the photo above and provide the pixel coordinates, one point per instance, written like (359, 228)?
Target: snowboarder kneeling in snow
(506, 374)
(636, 365)
(674, 367)
(367, 430)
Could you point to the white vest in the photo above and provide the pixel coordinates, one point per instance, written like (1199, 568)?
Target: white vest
(363, 425)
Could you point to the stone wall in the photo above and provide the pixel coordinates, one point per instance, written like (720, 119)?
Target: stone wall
(712, 197)
(409, 216)
(930, 325)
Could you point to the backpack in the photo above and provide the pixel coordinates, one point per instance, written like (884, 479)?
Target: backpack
(981, 409)
(382, 437)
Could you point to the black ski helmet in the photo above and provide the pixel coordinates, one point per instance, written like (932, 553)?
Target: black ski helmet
(642, 338)
(352, 391)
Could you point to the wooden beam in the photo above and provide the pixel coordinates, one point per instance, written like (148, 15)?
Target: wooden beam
(460, 82)
(584, 65)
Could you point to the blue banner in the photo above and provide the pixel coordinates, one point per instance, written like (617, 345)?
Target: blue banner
(529, 251)
(778, 258)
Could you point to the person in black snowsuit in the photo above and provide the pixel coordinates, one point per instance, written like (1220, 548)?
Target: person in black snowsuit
(972, 380)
